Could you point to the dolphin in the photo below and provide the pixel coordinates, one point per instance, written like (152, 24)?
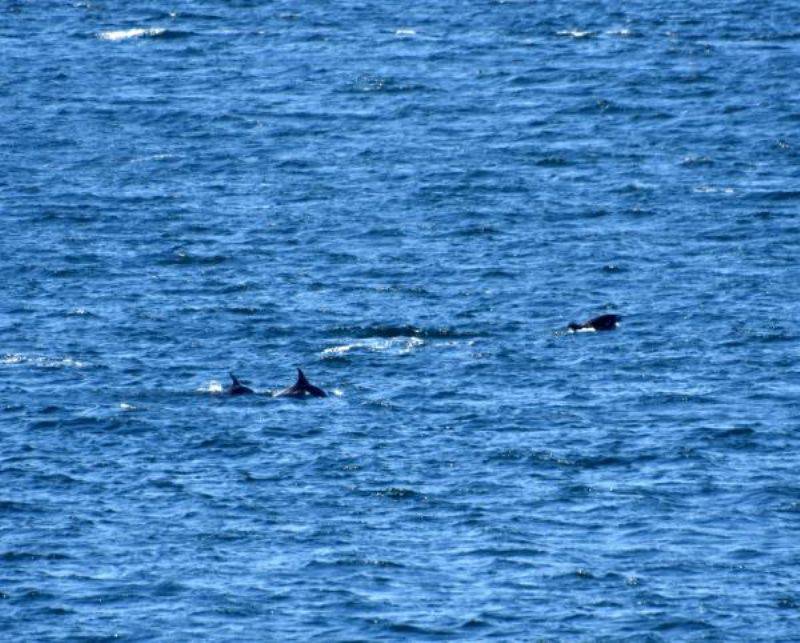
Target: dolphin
(604, 322)
(237, 388)
(301, 388)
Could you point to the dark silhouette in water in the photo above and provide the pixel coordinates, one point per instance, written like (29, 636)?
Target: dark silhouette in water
(237, 388)
(604, 322)
(301, 388)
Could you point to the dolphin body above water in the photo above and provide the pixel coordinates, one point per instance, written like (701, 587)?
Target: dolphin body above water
(603, 322)
(301, 388)
(237, 388)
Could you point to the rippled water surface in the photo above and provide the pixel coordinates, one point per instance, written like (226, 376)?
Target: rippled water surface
(410, 201)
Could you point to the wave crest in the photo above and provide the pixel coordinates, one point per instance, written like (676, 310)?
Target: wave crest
(127, 34)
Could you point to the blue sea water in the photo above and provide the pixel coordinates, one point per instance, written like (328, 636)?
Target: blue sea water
(410, 201)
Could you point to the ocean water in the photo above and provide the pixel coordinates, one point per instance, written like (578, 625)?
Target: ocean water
(410, 201)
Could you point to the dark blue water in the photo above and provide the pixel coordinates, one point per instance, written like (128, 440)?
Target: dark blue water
(410, 201)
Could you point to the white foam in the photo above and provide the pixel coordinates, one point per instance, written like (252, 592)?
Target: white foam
(67, 361)
(576, 33)
(710, 189)
(411, 344)
(41, 361)
(127, 407)
(212, 387)
(405, 31)
(126, 34)
(336, 351)
(153, 157)
(393, 345)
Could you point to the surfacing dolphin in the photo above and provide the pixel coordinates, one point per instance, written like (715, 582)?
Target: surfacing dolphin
(237, 388)
(604, 322)
(301, 388)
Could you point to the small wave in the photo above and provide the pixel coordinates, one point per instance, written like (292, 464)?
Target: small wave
(389, 330)
(399, 493)
(576, 33)
(396, 345)
(212, 387)
(11, 556)
(353, 561)
(41, 361)
(622, 33)
(169, 588)
(127, 34)
(405, 31)
(388, 85)
(231, 442)
(694, 161)
(737, 432)
(777, 195)
(552, 161)
(476, 230)
(419, 631)
(368, 83)
(684, 626)
(8, 506)
(710, 189)
(79, 312)
(505, 552)
(183, 258)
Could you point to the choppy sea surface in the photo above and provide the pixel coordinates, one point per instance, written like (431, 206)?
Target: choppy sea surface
(410, 201)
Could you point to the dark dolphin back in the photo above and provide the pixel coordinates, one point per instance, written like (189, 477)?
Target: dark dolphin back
(315, 391)
(604, 322)
(237, 388)
(302, 385)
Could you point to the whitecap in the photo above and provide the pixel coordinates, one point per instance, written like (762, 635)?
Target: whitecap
(67, 361)
(153, 157)
(127, 407)
(576, 33)
(126, 34)
(710, 189)
(41, 361)
(391, 345)
(336, 351)
(405, 31)
(212, 387)
(411, 344)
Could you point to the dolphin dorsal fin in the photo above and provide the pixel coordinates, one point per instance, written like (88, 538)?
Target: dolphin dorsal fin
(301, 379)
(234, 378)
